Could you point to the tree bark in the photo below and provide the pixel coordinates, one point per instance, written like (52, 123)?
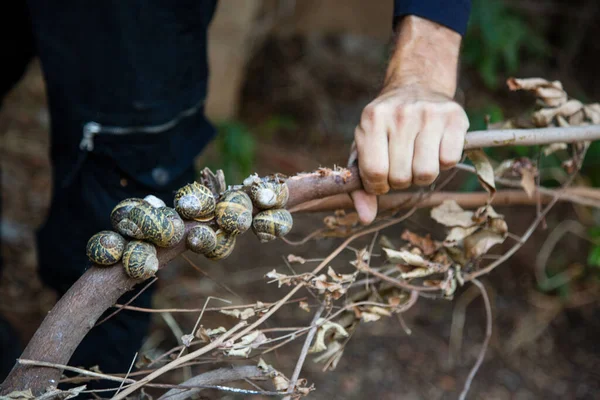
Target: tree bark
(99, 288)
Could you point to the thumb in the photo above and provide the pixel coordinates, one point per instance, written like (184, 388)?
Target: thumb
(365, 205)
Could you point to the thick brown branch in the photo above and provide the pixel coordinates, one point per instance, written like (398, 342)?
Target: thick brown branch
(78, 310)
(586, 196)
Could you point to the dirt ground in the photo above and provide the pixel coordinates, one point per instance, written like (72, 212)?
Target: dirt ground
(537, 350)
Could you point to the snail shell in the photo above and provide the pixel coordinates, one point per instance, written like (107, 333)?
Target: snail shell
(195, 201)
(105, 248)
(266, 195)
(271, 224)
(224, 247)
(234, 212)
(119, 218)
(153, 224)
(201, 239)
(155, 201)
(178, 225)
(139, 260)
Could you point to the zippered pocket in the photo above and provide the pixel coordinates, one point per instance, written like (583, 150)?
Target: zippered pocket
(92, 128)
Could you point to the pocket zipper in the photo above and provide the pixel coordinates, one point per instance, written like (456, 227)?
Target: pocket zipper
(92, 128)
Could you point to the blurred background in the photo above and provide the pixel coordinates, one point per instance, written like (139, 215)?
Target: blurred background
(289, 80)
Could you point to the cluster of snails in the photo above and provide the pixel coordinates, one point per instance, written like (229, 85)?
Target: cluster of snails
(141, 225)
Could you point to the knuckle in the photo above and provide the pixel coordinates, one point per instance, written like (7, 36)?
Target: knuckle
(400, 182)
(424, 176)
(448, 162)
(368, 117)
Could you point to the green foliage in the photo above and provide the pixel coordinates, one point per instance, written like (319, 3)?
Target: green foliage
(495, 39)
(236, 151)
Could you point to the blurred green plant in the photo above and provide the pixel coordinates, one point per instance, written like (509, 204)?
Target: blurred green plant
(236, 148)
(495, 39)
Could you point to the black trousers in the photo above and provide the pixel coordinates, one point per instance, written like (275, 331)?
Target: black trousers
(126, 83)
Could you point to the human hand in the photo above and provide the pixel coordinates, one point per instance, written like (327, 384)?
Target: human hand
(413, 129)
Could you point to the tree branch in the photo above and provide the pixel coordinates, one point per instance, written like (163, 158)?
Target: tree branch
(78, 310)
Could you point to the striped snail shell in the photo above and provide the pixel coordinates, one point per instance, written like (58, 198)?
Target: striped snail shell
(153, 224)
(195, 201)
(223, 248)
(178, 225)
(140, 260)
(105, 248)
(119, 218)
(271, 224)
(234, 212)
(268, 194)
(201, 239)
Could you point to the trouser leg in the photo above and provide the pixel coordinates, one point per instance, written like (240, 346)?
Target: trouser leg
(16, 42)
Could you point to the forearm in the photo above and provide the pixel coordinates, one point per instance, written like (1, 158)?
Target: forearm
(425, 54)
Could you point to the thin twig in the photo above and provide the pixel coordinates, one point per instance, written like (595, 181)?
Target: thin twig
(304, 352)
(127, 374)
(195, 310)
(486, 341)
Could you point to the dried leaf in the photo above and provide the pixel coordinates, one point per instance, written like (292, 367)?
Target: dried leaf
(247, 343)
(304, 306)
(480, 242)
(341, 278)
(295, 259)
(592, 112)
(319, 344)
(417, 273)
(334, 350)
(545, 116)
(485, 172)
(380, 311)
(553, 148)
(425, 243)
(549, 93)
(449, 213)
(281, 383)
(369, 317)
(458, 234)
(528, 182)
(205, 334)
(241, 314)
(406, 257)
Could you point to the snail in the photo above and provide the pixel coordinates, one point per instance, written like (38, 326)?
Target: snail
(151, 224)
(269, 194)
(140, 260)
(234, 212)
(195, 201)
(155, 201)
(178, 225)
(201, 239)
(105, 247)
(271, 224)
(224, 247)
(119, 218)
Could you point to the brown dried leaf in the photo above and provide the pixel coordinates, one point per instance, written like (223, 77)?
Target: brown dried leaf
(295, 259)
(425, 243)
(577, 118)
(528, 181)
(485, 172)
(480, 242)
(247, 343)
(449, 213)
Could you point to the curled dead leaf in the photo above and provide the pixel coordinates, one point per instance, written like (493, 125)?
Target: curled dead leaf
(295, 259)
(485, 172)
(241, 314)
(481, 242)
(304, 306)
(319, 344)
(528, 181)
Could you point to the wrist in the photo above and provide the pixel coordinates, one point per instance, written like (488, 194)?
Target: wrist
(426, 54)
